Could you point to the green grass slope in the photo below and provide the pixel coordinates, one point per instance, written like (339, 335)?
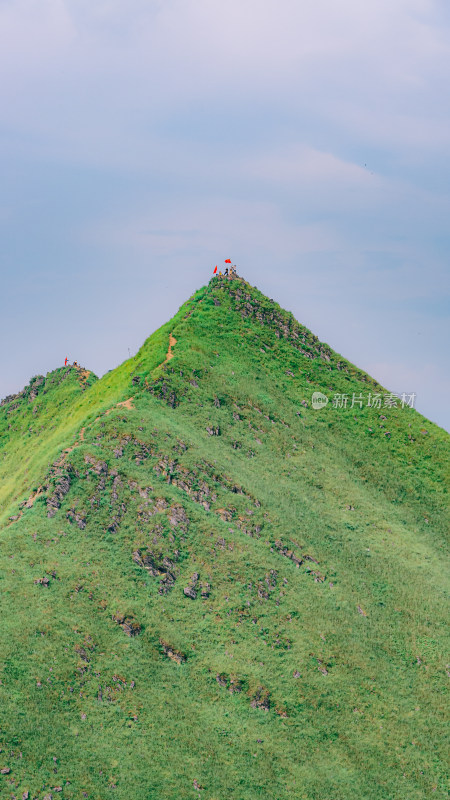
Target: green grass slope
(219, 591)
(28, 419)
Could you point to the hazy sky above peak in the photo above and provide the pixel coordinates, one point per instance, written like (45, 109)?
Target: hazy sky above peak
(142, 142)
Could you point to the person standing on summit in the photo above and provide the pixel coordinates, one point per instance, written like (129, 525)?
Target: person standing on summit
(65, 361)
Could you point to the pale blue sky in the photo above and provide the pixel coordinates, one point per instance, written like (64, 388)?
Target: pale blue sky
(142, 142)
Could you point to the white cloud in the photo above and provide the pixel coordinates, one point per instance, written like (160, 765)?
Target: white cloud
(350, 59)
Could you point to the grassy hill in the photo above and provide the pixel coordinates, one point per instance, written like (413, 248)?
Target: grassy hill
(211, 589)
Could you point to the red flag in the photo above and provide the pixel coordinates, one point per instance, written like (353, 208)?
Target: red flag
(215, 269)
(228, 261)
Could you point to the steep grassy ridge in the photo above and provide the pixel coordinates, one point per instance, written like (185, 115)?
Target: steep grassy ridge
(220, 591)
(28, 419)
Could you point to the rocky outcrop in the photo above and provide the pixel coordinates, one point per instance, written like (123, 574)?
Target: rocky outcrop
(177, 517)
(281, 322)
(191, 589)
(261, 699)
(288, 553)
(195, 586)
(61, 487)
(159, 566)
(213, 430)
(205, 590)
(164, 391)
(34, 391)
(230, 682)
(43, 581)
(77, 517)
(172, 653)
(128, 623)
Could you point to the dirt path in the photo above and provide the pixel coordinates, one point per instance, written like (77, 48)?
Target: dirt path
(27, 504)
(125, 404)
(172, 343)
(33, 497)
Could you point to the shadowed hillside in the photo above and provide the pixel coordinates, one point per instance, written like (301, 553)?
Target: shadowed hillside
(211, 589)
